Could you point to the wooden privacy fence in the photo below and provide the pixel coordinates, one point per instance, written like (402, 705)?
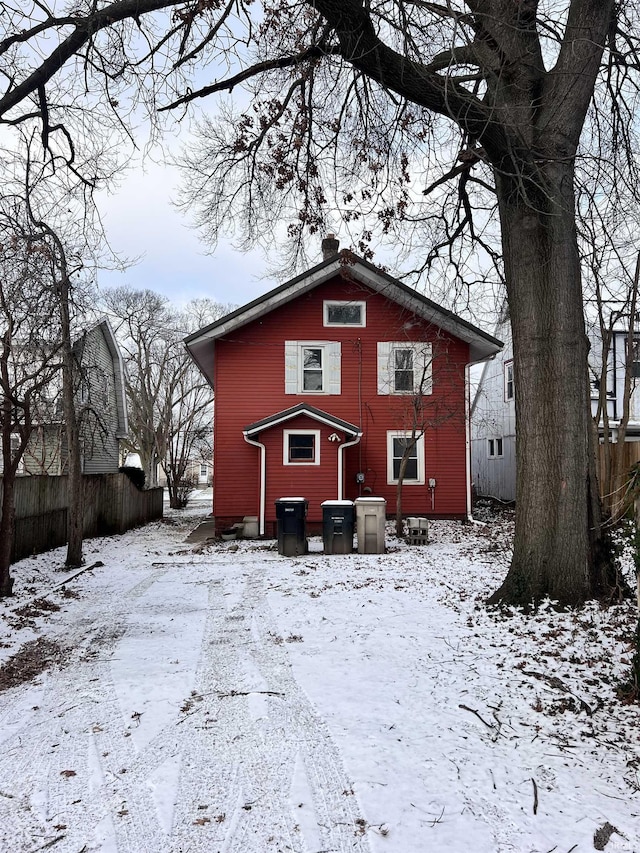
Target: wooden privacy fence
(630, 451)
(112, 504)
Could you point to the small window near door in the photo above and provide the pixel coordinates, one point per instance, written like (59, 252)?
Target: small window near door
(301, 447)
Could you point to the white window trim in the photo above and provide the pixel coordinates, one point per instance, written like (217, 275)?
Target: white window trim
(294, 367)
(285, 446)
(15, 443)
(363, 313)
(495, 439)
(403, 433)
(508, 368)
(323, 371)
(423, 354)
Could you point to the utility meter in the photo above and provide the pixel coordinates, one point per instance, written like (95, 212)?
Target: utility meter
(360, 477)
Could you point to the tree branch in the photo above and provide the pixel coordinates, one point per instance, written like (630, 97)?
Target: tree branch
(314, 52)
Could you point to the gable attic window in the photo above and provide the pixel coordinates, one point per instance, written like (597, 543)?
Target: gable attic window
(337, 313)
(404, 368)
(301, 447)
(312, 367)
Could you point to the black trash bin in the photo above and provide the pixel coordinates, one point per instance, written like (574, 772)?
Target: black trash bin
(337, 526)
(291, 514)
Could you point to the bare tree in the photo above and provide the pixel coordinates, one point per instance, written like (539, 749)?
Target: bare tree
(30, 357)
(362, 109)
(417, 369)
(169, 400)
(47, 217)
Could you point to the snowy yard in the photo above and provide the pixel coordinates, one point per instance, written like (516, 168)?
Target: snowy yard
(223, 698)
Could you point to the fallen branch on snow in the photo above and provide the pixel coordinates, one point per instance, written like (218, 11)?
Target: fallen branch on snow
(554, 681)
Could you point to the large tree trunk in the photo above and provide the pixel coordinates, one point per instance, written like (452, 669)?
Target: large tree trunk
(75, 517)
(7, 532)
(557, 548)
(75, 511)
(7, 511)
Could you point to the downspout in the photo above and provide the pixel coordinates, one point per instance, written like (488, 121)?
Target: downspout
(341, 449)
(467, 428)
(263, 481)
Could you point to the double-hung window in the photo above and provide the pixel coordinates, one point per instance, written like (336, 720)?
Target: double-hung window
(508, 381)
(404, 367)
(312, 367)
(401, 444)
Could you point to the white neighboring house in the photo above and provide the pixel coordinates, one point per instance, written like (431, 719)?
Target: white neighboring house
(616, 369)
(493, 423)
(493, 416)
(199, 472)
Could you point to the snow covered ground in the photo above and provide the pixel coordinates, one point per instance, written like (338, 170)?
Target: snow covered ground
(220, 697)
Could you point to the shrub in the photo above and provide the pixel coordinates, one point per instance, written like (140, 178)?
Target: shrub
(136, 475)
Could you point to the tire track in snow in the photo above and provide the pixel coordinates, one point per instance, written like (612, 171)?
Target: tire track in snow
(264, 728)
(239, 755)
(60, 766)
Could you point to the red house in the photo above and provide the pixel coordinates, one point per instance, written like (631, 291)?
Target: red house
(322, 383)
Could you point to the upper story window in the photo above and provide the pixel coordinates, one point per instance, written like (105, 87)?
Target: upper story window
(338, 313)
(404, 368)
(312, 367)
(508, 381)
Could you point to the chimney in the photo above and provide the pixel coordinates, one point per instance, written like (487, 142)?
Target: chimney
(330, 247)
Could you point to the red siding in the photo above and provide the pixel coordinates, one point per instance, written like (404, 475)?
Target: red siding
(249, 385)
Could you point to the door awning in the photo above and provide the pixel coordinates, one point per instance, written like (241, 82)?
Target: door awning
(302, 409)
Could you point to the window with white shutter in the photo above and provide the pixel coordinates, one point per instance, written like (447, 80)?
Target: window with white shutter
(312, 367)
(404, 367)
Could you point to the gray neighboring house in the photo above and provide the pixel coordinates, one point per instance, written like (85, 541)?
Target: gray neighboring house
(101, 407)
(493, 416)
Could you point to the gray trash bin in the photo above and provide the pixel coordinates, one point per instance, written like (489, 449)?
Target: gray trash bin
(291, 514)
(371, 514)
(337, 526)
